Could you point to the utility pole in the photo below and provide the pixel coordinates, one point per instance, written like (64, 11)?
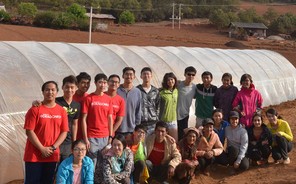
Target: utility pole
(180, 6)
(90, 24)
(173, 17)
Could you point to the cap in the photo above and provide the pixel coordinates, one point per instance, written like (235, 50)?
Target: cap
(192, 129)
(233, 114)
(207, 121)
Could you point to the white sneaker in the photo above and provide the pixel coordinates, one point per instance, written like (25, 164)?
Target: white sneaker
(287, 161)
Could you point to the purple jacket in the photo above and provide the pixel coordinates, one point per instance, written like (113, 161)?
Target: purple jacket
(223, 99)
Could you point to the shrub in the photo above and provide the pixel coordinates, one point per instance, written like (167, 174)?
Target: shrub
(77, 10)
(82, 24)
(126, 17)
(45, 19)
(4, 16)
(27, 10)
(64, 21)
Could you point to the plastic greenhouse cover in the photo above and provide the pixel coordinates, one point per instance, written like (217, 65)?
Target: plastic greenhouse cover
(25, 66)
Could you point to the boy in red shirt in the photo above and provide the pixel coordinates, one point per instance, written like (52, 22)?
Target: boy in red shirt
(97, 122)
(46, 128)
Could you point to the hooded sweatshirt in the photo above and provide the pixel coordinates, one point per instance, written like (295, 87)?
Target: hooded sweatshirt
(248, 100)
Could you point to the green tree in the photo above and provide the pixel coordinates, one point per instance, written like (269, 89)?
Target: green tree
(219, 18)
(284, 24)
(27, 11)
(126, 17)
(249, 15)
(270, 15)
(4, 16)
(77, 10)
(45, 19)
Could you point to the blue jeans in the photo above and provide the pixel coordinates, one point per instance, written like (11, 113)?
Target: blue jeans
(40, 172)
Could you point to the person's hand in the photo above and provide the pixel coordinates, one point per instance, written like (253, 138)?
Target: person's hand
(209, 154)
(254, 142)
(36, 103)
(171, 171)
(264, 142)
(236, 165)
(87, 144)
(46, 151)
(243, 113)
(278, 134)
(106, 149)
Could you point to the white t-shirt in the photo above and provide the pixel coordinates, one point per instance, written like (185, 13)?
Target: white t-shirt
(185, 97)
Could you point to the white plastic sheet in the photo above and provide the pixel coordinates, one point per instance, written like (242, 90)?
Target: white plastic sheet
(26, 65)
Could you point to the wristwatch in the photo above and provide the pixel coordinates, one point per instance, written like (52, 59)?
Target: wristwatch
(110, 137)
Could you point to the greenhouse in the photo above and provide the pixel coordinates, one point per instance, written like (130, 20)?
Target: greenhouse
(25, 66)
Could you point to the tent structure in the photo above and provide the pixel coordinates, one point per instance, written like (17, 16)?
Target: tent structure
(25, 66)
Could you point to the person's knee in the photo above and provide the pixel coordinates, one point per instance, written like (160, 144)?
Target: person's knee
(244, 165)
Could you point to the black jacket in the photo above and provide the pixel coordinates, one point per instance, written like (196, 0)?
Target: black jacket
(150, 105)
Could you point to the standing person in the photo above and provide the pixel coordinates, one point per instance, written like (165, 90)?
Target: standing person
(132, 98)
(150, 101)
(163, 155)
(77, 168)
(237, 143)
(204, 96)
(282, 137)
(73, 110)
(209, 146)
(260, 141)
(117, 101)
(168, 103)
(46, 128)
(117, 164)
(83, 80)
(225, 95)
(186, 92)
(219, 124)
(97, 124)
(247, 101)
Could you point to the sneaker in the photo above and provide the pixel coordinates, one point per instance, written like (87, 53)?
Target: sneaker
(287, 161)
(232, 171)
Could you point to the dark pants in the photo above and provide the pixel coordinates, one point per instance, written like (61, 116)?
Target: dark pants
(204, 163)
(65, 151)
(182, 124)
(282, 148)
(231, 156)
(257, 153)
(159, 173)
(139, 168)
(221, 159)
(40, 172)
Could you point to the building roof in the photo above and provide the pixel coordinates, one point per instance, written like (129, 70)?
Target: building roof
(248, 25)
(101, 16)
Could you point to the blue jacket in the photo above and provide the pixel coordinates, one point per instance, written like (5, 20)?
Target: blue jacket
(65, 171)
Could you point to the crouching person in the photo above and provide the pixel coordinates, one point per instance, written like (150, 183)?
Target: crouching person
(117, 163)
(163, 155)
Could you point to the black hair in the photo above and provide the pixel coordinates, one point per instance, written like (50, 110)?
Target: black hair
(114, 75)
(100, 76)
(146, 69)
(121, 138)
(217, 110)
(207, 73)
(49, 82)
(75, 143)
(83, 75)
(140, 127)
(128, 69)
(70, 79)
(244, 77)
(257, 114)
(190, 69)
(162, 125)
(166, 78)
(227, 75)
(273, 112)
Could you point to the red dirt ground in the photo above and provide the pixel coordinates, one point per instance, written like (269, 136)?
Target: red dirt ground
(193, 33)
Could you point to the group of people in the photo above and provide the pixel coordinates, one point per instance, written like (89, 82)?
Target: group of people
(122, 133)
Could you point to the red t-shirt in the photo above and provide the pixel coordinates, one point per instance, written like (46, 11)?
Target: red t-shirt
(157, 153)
(79, 98)
(97, 109)
(118, 107)
(48, 124)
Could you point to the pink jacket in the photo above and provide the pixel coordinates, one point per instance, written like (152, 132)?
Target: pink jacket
(248, 101)
(214, 144)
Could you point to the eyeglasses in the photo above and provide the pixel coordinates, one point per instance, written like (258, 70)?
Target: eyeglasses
(191, 74)
(78, 149)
